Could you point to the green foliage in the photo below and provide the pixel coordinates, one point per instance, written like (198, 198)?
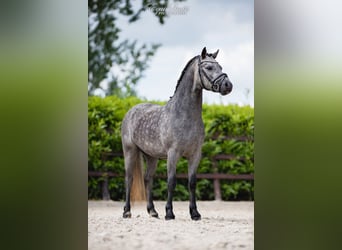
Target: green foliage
(104, 135)
(229, 131)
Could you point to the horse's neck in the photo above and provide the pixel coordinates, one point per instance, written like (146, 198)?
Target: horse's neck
(187, 100)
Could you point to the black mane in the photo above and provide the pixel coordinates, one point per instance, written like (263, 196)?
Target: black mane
(183, 72)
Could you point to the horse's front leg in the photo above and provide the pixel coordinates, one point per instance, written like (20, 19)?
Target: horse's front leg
(172, 159)
(193, 165)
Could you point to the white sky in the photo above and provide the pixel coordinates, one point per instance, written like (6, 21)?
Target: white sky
(224, 25)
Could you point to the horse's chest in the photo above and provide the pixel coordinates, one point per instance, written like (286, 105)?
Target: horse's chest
(189, 136)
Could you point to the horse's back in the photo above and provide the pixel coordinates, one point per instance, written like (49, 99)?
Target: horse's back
(139, 112)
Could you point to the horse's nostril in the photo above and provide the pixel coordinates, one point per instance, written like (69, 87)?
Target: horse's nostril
(227, 84)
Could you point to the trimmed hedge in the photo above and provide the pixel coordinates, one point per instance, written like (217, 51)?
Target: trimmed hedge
(229, 130)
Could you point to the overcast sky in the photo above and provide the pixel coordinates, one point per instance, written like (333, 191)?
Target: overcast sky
(224, 25)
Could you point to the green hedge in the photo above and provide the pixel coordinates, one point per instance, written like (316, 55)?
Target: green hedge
(229, 130)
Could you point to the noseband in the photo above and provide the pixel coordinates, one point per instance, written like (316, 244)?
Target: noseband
(215, 82)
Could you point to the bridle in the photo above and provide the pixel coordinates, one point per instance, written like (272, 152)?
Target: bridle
(214, 83)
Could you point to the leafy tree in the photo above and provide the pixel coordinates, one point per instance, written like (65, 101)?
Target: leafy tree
(108, 54)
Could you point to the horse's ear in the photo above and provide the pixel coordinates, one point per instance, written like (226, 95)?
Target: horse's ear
(215, 54)
(204, 53)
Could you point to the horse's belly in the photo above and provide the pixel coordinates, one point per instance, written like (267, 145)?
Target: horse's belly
(152, 148)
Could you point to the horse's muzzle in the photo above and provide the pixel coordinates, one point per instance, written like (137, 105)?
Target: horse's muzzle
(225, 86)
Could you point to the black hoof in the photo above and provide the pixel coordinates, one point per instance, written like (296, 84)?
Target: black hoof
(170, 216)
(169, 212)
(127, 214)
(152, 212)
(195, 215)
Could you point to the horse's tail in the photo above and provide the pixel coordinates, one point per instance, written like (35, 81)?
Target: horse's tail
(138, 192)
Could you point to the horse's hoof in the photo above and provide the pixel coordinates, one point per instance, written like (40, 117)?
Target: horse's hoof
(127, 214)
(196, 217)
(152, 212)
(170, 217)
(155, 216)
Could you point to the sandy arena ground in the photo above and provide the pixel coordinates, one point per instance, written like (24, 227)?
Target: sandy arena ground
(224, 225)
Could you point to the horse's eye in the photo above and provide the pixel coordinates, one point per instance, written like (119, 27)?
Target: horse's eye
(209, 68)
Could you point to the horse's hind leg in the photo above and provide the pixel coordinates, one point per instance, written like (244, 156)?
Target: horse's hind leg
(130, 154)
(150, 170)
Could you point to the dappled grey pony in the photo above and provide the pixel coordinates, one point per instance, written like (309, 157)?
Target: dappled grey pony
(172, 131)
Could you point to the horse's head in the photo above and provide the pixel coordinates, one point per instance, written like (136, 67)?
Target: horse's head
(211, 75)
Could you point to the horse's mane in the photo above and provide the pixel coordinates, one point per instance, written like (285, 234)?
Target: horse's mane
(183, 72)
